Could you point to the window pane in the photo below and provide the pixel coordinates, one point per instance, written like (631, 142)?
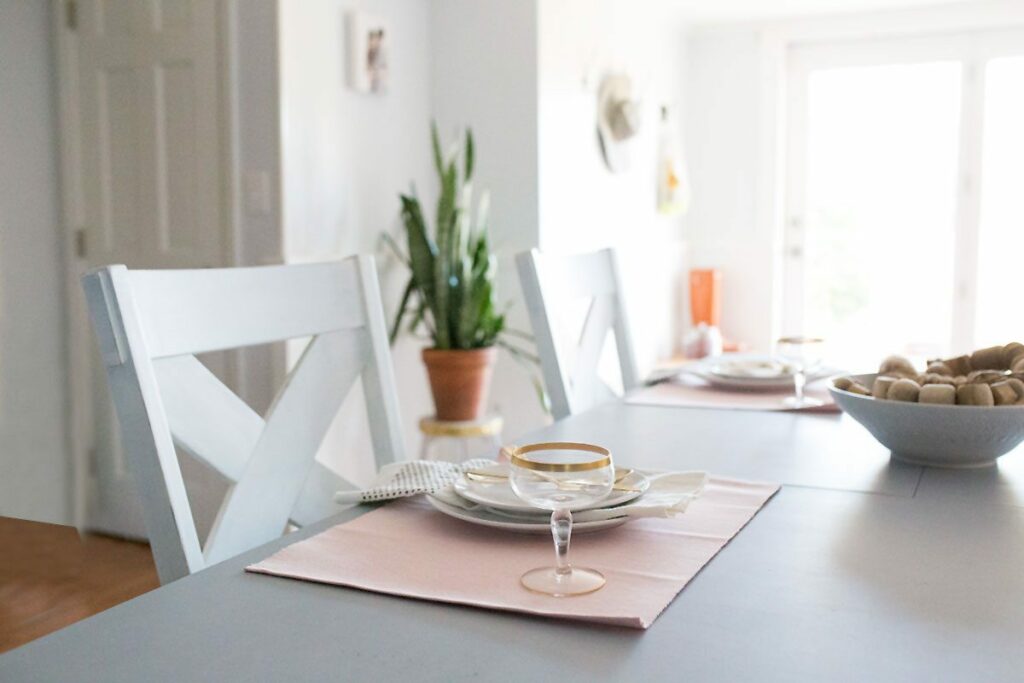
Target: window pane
(1001, 245)
(880, 212)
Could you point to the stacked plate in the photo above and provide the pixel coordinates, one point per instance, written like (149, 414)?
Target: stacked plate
(751, 372)
(486, 498)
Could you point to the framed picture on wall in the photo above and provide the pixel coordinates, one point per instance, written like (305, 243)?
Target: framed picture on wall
(369, 45)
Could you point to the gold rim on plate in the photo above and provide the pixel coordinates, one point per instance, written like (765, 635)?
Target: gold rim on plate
(516, 456)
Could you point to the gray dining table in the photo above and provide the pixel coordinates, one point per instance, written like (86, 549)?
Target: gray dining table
(860, 569)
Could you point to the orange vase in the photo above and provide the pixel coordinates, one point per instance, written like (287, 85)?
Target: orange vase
(706, 296)
(460, 381)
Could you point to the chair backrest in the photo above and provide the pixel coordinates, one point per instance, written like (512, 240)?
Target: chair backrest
(552, 281)
(150, 325)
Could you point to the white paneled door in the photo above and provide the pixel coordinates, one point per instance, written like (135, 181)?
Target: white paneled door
(141, 112)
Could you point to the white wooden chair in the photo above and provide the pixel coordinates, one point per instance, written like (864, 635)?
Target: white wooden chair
(151, 323)
(550, 281)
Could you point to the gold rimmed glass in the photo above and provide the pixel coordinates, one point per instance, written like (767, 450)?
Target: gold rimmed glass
(803, 354)
(560, 477)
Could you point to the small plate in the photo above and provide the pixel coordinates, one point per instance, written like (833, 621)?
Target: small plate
(500, 495)
(722, 372)
(752, 368)
(485, 517)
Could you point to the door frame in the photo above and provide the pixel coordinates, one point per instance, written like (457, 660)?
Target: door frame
(80, 345)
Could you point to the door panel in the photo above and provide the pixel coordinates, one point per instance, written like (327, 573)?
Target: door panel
(145, 79)
(172, 15)
(117, 117)
(176, 155)
(149, 126)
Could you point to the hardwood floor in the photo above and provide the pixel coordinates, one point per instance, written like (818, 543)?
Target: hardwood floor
(51, 577)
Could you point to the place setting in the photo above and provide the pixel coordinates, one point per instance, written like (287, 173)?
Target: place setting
(790, 379)
(497, 533)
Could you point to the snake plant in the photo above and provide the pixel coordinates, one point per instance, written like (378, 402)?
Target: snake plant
(451, 284)
(451, 289)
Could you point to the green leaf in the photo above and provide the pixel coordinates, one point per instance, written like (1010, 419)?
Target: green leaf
(419, 317)
(423, 252)
(529, 363)
(435, 142)
(402, 306)
(467, 323)
(469, 154)
(482, 210)
(446, 227)
(509, 346)
(452, 268)
(465, 222)
(525, 336)
(388, 240)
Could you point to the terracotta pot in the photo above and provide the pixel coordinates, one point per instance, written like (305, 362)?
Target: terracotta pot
(459, 381)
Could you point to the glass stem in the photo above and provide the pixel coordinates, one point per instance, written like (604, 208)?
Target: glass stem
(799, 380)
(561, 530)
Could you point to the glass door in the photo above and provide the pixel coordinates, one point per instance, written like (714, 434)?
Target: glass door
(1001, 223)
(905, 194)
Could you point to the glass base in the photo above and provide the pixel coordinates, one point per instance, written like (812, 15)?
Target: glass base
(805, 402)
(577, 582)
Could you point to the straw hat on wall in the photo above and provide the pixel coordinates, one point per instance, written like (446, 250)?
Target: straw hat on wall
(618, 120)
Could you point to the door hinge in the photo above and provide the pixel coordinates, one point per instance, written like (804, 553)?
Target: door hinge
(71, 14)
(80, 243)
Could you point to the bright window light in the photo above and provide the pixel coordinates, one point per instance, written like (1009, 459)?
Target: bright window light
(1001, 239)
(880, 208)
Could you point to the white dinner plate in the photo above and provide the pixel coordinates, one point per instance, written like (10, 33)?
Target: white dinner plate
(489, 518)
(751, 368)
(499, 495)
(751, 372)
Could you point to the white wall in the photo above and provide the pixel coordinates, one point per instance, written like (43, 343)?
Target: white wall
(34, 464)
(255, 128)
(345, 158)
(725, 129)
(484, 75)
(583, 206)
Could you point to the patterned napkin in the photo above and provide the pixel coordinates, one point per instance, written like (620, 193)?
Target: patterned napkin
(402, 479)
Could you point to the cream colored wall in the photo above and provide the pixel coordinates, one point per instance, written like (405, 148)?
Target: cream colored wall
(728, 149)
(484, 74)
(345, 158)
(583, 206)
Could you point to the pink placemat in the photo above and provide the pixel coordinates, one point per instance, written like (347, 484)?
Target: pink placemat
(686, 391)
(409, 549)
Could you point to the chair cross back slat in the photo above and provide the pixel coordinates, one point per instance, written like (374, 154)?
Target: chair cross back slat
(257, 508)
(229, 433)
(208, 421)
(165, 397)
(548, 280)
(599, 322)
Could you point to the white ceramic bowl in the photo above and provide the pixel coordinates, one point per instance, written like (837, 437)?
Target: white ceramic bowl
(937, 435)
